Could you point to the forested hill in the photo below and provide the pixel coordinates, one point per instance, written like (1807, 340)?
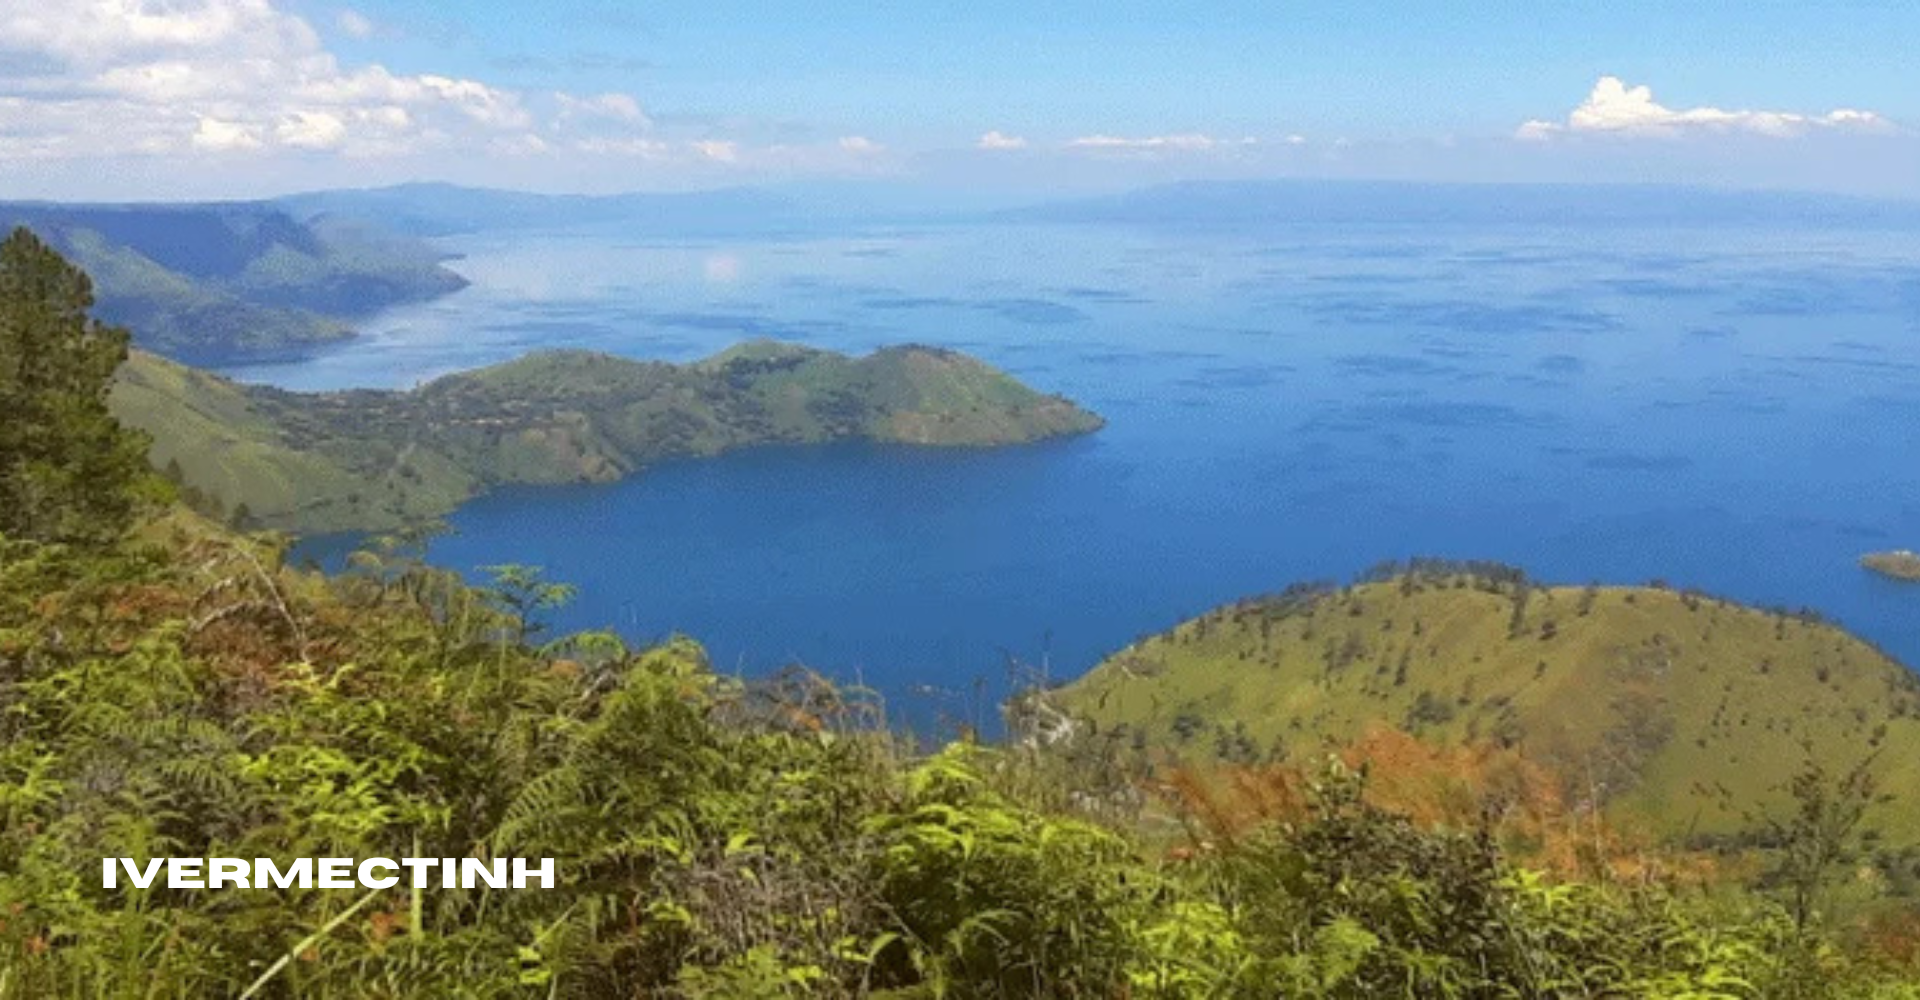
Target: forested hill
(228, 282)
(1676, 711)
(373, 460)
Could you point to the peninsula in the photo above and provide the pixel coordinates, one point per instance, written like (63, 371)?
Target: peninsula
(368, 460)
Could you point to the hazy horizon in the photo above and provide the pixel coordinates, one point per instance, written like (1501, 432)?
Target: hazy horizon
(199, 99)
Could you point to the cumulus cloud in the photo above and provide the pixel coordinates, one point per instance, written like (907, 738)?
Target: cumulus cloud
(1191, 142)
(614, 106)
(212, 133)
(105, 78)
(860, 145)
(313, 130)
(356, 24)
(1614, 108)
(718, 151)
(1000, 142)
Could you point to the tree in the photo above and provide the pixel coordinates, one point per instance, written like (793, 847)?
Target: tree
(1819, 836)
(68, 470)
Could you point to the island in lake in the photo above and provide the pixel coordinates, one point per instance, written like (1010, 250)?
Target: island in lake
(1900, 564)
(374, 460)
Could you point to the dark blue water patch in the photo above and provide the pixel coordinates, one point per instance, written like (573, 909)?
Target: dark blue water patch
(1445, 349)
(1621, 461)
(1391, 366)
(1108, 358)
(749, 326)
(1456, 415)
(1800, 295)
(1658, 288)
(911, 302)
(1028, 311)
(746, 325)
(535, 330)
(1035, 312)
(1229, 377)
(1369, 252)
(1527, 258)
(1176, 354)
(1847, 361)
(1660, 263)
(1362, 279)
(1904, 408)
(1103, 296)
(1712, 332)
(1470, 317)
(565, 310)
(1561, 364)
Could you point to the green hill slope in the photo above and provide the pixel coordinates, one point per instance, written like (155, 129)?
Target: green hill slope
(219, 283)
(369, 460)
(1660, 704)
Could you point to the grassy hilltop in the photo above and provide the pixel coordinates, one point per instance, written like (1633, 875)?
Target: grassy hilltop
(1663, 705)
(370, 460)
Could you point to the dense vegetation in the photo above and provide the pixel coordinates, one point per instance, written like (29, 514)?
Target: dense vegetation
(183, 694)
(1672, 711)
(377, 460)
(222, 283)
(169, 688)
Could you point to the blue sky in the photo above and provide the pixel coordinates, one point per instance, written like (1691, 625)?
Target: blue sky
(185, 98)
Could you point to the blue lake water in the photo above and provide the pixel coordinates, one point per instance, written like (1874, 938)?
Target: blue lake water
(1736, 409)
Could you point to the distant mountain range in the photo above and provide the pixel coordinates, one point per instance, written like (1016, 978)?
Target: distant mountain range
(220, 283)
(226, 283)
(448, 209)
(445, 209)
(1213, 204)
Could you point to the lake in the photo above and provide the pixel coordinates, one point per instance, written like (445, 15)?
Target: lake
(1732, 408)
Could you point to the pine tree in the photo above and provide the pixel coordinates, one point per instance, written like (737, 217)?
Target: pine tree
(68, 470)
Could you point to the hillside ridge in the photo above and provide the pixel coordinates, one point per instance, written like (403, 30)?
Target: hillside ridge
(370, 460)
(235, 281)
(1662, 704)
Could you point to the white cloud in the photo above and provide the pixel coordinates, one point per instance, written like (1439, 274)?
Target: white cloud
(1614, 108)
(356, 24)
(212, 133)
(999, 141)
(312, 130)
(860, 145)
(611, 106)
(1191, 142)
(125, 77)
(718, 151)
(638, 147)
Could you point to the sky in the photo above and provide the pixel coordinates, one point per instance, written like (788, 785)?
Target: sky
(170, 99)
